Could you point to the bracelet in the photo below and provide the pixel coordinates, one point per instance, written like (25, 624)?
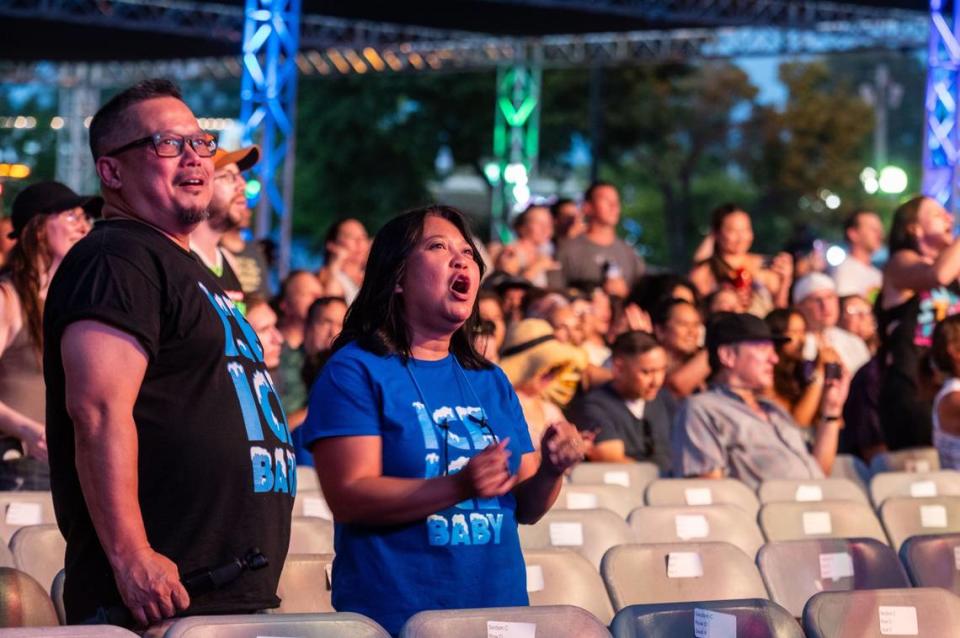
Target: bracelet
(831, 418)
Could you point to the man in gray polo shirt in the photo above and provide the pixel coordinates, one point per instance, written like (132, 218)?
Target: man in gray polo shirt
(734, 430)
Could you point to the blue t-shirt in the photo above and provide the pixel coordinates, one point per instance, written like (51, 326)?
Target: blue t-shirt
(467, 555)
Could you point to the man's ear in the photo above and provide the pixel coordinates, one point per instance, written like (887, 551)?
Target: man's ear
(727, 355)
(108, 169)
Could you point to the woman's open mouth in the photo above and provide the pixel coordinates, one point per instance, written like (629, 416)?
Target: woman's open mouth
(461, 286)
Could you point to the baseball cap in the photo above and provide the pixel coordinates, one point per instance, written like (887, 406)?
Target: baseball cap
(48, 197)
(726, 328)
(244, 158)
(809, 284)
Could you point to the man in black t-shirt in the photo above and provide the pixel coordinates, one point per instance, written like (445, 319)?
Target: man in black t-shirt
(169, 451)
(633, 424)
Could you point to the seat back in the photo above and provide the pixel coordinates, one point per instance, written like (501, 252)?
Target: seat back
(556, 621)
(336, 625)
(756, 618)
(307, 480)
(830, 489)
(931, 561)
(588, 532)
(305, 584)
(796, 570)
(587, 496)
(19, 509)
(906, 517)
(39, 550)
(311, 504)
(914, 485)
(691, 492)
(918, 459)
(638, 574)
(824, 519)
(309, 535)
(23, 601)
(634, 476)
(73, 631)
(564, 577)
(923, 612)
(697, 524)
(851, 468)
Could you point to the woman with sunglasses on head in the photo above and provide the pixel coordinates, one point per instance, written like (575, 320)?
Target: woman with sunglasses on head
(420, 444)
(48, 219)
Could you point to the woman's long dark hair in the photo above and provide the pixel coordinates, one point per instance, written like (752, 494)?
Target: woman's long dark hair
(27, 263)
(719, 268)
(906, 214)
(375, 320)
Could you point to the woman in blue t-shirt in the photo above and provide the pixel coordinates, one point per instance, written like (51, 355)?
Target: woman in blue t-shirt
(420, 443)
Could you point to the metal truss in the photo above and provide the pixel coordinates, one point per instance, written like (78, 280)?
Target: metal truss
(774, 13)
(268, 99)
(940, 140)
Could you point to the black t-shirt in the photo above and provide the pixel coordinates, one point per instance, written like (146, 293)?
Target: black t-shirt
(227, 280)
(216, 471)
(646, 439)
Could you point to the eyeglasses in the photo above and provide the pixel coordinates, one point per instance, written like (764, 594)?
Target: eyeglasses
(229, 176)
(172, 145)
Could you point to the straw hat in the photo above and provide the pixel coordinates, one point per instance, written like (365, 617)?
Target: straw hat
(530, 349)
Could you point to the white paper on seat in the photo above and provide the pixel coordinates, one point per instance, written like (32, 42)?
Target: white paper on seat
(534, 578)
(499, 629)
(692, 526)
(807, 493)
(581, 501)
(956, 557)
(566, 534)
(898, 621)
(698, 496)
(684, 565)
(933, 516)
(617, 477)
(923, 489)
(317, 508)
(836, 566)
(24, 513)
(817, 523)
(328, 570)
(713, 624)
(918, 466)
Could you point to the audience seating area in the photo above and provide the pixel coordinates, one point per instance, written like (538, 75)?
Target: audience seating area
(622, 553)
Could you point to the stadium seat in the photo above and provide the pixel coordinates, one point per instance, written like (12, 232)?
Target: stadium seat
(555, 621)
(703, 492)
(310, 536)
(311, 504)
(307, 480)
(335, 625)
(906, 517)
(636, 476)
(755, 618)
(23, 601)
(638, 574)
(697, 524)
(823, 519)
(918, 459)
(914, 485)
(564, 577)
(931, 561)
(56, 594)
(18, 509)
(851, 468)
(796, 570)
(73, 631)
(926, 612)
(830, 489)
(590, 533)
(38, 550)
(305, 584)
(587, 496)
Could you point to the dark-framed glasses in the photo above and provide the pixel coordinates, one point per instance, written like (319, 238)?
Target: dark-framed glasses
(172, 145)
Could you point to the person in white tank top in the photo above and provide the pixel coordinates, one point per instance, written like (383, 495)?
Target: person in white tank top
(945, 352)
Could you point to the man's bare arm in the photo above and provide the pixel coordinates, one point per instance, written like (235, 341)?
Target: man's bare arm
(104, 368)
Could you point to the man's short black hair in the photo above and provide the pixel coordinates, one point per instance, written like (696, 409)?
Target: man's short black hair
(635, 342)
(853, 220)
(663, 310)
(592, 188)
(559, 204)
(318, 305)
(110, 117)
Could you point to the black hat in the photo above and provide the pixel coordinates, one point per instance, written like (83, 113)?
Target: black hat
(502, 281)
(725, 328)
(44, 198)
